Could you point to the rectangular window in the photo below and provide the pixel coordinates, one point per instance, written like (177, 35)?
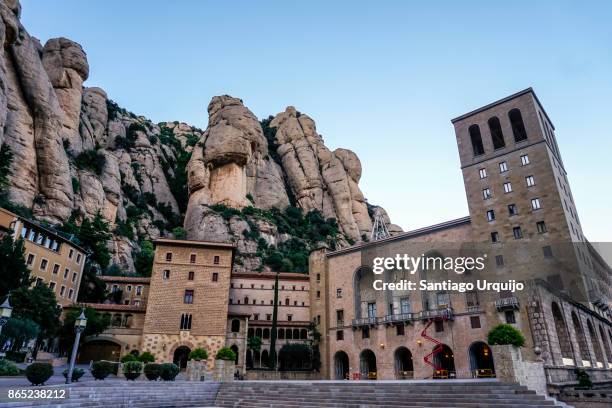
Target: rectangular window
(52, 285)
(188, 298)
(215, 277)
(268, 317)
(400, 330)
(185, 322)
(439, 326)
(471, 300)
(503, 167)
(490, 215)
(486, 193)
(372, 309)
(56, 268)
(524, 160)
(475, 322)
(66, 272)
(340, 317)
(495, 236)
(71, 253)
(168, 256)
(70, 293)
(318, 294)
(43, 264)
(78, 260)
(507, 187)
(535, 203)
(62, 291)
(190, 275)
(541, 225)
(530, 181)
(30, 260)
(365, 332)
(405, 305)
(547, 251)
(166, 274)
(192, 258)
(340, 335)
(482, 173)
(74, 276)
(518, 233)
(339, 293)
(510, 318)
(499, 260)
(318, 277)
(138, 290)
(216, 259)
(512, 210)
(289, 317)
(256, 316)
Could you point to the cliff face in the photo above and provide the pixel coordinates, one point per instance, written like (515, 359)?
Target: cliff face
(76, 153)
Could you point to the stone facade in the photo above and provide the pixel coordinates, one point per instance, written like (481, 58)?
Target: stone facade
(134, 289)
(53, 260)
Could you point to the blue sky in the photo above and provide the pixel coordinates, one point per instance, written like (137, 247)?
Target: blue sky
(380, 78)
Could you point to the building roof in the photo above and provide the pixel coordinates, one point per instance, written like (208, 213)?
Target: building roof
(270, 275)
(127, 279)
(500, 101)
(284, 323)
(109, 307)
(404, 235)
(188, 242)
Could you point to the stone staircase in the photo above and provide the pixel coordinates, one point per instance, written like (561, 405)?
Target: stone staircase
(292, 394)
(303, 394)
(124, 394)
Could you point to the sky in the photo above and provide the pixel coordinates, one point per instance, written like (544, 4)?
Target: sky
(380, 78)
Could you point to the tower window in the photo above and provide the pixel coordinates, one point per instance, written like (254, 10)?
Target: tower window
(499, 260)
(400, 330)
(503, 167)
(507, 187)
(535, 203)
(486, 193)
(495, 236)
(168, 256)
(518, 127)
(512, 210)
(541, 225)
(524, 160)
(185, 322)
(475, 322)
(215, 277)
(188, 298)
(166, 274)
(340, 335)
(497, 135)
(476, 139)
(547, 250)
(510, 318)
(518, 233)
(530, 181)
(490, 215)
(216, 260)
(190, 275)
(192, 258)
(482, 173)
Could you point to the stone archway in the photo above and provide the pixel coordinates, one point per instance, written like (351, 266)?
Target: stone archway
(562, 335)
(180, 357)
(481, 360)
(99, 349)
(445, 361)
(234, 348)
(404, 368)
(367, 365)
(583, 348)
(341, 366)
(599, 360)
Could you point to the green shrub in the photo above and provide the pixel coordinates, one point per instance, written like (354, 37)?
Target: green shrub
(76, 374)
(153, 371)
(198, 354)
(132, 370)
(146, 357)
(128, 358)
(101, 369)
(505, 334)
(584, 380)
(39, 373)
(8, 368)
(169, 371)
(15, 356)
(91, 160)
(226, 353)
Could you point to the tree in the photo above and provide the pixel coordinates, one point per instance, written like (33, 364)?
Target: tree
(254, 343)
(96, 323)
(143, 260)
(13, 269)
(19, 331)
(179, 233)
(272, 355)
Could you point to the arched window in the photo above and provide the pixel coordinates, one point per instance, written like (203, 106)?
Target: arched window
(246, 300)
(477, 145)
(235, 326)
(518, 127)
(281, 334)
(497, 136)
(596, 346)
(606, 346)
(303, 334)
(296, 334)
(562, 334)
(288, 334)
(266, 333)
(287, 302)
(582, 343)
(403, 364)
(258, 332)
(251, 333)
(234, 348)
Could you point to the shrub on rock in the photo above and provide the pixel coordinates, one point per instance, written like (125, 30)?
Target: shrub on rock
(169, 371)
(226, 353)
(198, 354)
(505, 334)
(101, 369)
(132, 370)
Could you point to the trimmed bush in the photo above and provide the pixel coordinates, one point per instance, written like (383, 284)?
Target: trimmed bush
(152, 371)
(169, 371)
(146, 357)
(198, 354)
(226, 353)
(505, 334)
(132, 370)
(129, 357)
(76, 374)
(8, 368)
(39, 373)
(101, 369)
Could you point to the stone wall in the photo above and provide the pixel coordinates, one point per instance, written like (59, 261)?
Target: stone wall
(511, 367)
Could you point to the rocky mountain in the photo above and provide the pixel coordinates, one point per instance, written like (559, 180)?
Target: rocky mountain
(271, 186)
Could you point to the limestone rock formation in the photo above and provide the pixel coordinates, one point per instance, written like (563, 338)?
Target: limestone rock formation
(76, 154)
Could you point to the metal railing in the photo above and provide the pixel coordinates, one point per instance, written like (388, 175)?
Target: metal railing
(398, 318)
(507, 303)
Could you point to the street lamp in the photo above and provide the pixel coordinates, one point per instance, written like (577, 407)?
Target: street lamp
(79, 325)
(5, 314)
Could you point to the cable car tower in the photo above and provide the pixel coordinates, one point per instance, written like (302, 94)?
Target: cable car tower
(379, 229)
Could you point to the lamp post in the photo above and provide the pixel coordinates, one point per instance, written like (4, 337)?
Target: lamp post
(5, 314)
(79, 325)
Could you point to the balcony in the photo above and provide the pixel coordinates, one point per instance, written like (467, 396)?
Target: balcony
(398, 318)
(366, 321)
(507, 303)
(445, 313)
